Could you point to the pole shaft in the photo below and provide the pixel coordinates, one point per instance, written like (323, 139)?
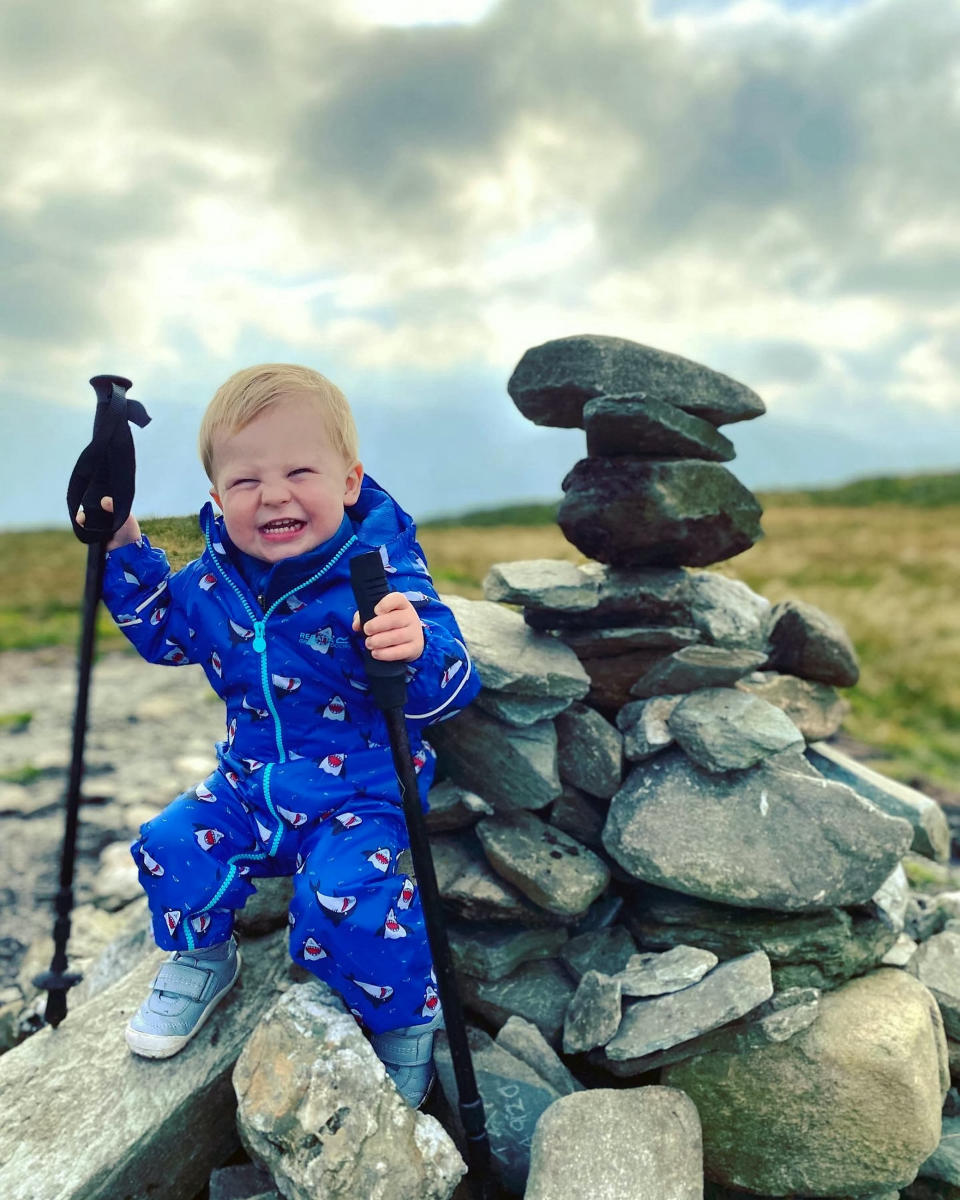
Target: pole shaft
(471, 1106)
(96, 562)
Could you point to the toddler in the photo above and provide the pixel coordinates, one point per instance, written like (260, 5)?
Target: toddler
(304, 784)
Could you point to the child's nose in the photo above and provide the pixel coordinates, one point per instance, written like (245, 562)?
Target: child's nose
(274, 491)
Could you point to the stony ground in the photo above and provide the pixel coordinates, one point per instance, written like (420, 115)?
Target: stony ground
(151, 734)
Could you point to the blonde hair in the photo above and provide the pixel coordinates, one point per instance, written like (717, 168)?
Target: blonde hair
(249, 392)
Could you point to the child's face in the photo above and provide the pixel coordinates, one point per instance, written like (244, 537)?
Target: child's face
(280, 483)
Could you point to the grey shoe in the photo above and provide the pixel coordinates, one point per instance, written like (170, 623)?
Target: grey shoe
(185, 992)
(407, 1055)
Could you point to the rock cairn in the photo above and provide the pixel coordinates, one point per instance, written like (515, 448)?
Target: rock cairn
(682, 919)
(649, 849)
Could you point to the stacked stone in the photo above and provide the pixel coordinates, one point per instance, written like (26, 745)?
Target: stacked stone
(647, 848)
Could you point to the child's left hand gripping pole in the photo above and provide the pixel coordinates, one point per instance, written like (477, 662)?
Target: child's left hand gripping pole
(105, 468)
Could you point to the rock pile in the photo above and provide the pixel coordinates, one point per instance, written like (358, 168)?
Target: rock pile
(680, 880)
(681, 918)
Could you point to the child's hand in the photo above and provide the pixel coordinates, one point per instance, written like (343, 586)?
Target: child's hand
(128, 532)
(395, 634)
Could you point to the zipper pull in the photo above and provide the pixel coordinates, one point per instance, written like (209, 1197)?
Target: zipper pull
(259, 637)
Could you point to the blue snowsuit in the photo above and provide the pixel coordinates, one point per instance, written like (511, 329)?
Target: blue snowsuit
(304, 784)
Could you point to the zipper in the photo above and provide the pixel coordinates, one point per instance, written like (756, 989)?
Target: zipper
(260, 647)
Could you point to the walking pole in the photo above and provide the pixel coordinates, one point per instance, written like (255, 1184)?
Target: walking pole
(388, 686)
(105, 468)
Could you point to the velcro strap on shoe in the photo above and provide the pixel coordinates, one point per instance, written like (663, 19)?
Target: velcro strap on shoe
(182, 981)
(404, 1048)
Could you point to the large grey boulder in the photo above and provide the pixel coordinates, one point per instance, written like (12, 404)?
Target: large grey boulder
(552, 381)
(767, 837)
(315, 1106)
(644, 1143)
(848, 1106)
(634, 512)
(93, 1122)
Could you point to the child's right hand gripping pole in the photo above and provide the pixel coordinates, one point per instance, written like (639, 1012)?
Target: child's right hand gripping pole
(387, 680)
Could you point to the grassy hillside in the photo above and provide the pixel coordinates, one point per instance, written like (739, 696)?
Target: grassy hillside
(889, 572)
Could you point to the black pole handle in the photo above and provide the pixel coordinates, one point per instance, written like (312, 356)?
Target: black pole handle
(107, 466)
(387, 679)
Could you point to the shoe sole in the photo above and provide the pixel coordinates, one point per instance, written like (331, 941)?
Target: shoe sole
(155, 1045)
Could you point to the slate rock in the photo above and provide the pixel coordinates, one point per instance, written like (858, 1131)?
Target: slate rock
(589, 751)
(645, 725)
(639, 425)
(509, 768)
(552, 381)
(808, 949)
(453, 807)
(766, 837)
(815, 708)
(593, 1015)
(876, 1049)
(806, 641)
(695, 667)
(606, 950)
(510, 656)
(538, 991)
(931, 831)
(118, 1123)
(944, 1163)
(633, 512)
(723, 729)
(579, 815)
(723, 994)
(653, 973)
(525, 1041)
(493, 949)
(514, 1097)
(541, 583)
(518, 710)
(637, 642)
(606, 1144)
(776, 1019)
(551, 868)
(937, 965)
(470, 886)
(246, 1181)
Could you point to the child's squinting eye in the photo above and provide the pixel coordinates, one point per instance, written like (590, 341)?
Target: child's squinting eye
(302, 471)
(241, 482)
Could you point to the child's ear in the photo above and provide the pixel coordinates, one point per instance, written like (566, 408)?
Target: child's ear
(216, 498)
(354, 480)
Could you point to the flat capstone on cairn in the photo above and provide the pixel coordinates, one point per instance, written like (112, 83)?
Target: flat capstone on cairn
(651, 853)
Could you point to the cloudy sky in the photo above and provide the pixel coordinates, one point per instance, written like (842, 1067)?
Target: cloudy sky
(407, 194)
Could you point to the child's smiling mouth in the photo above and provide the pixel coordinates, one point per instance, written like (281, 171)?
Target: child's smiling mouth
(283, 529)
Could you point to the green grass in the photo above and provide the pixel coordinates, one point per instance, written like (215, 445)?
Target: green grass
(889, 572)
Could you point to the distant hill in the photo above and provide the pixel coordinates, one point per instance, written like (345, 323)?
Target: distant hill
(915, 491)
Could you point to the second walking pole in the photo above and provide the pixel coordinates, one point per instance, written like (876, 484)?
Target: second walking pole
(389, 689)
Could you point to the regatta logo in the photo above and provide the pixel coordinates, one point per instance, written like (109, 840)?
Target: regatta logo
(323, 640)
